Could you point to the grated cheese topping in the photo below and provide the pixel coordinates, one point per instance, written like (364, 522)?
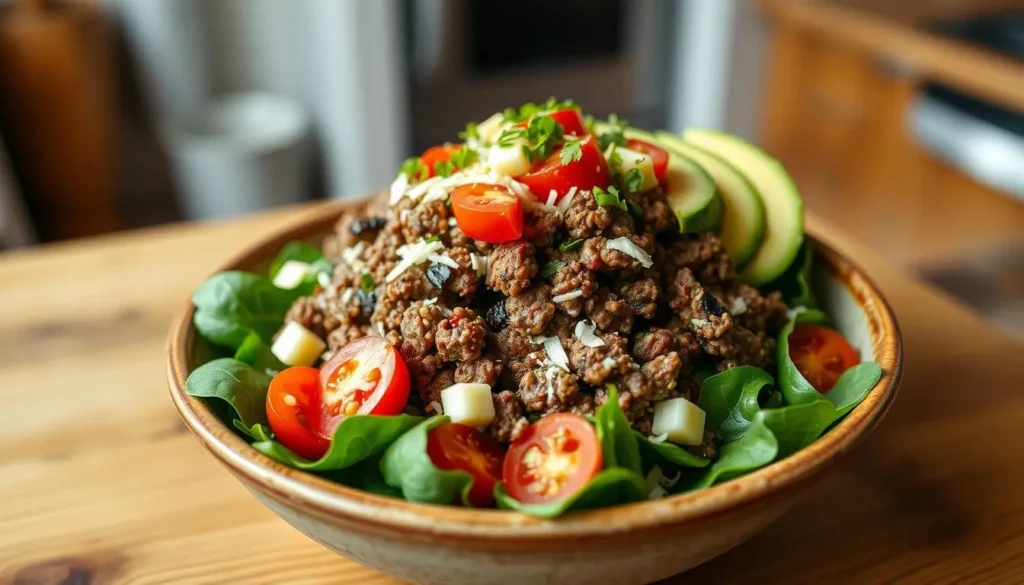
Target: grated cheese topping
(480, 263)
(443, 259)
(567, 296)
(556, 353)
(627, 247)
(413, 254)
(738, 307)
(585, 333)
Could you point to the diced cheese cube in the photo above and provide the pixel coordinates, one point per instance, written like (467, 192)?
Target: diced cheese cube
(491, 128)
(632, 159)
(297, 346)
(291, 274)
(680, 420)
(509, 160)
(469, 404)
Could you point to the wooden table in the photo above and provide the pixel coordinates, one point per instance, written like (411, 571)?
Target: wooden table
(100, 483)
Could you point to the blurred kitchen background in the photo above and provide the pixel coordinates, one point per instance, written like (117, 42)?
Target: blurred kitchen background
(902, 122)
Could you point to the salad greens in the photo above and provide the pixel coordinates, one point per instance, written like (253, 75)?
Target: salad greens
(795, 282)
(231, 306)
(236, 384)
(407, 468)
(308, 254)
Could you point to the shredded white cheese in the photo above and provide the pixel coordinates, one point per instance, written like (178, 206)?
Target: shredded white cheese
(430, 301)
(346, 295)
(608, 363)
(657, 439)
(452, 222)
(434, 406)
(627, 247)
(480, 263)
(556, 353)
(549, 376)
(398, 188)
(658, 484)
(699, 322)
(585, 333)
(413, 254)
(380, 329)
(403, 217)
(552, 197)
(566, 201)
(443, 259)
(351, 254)
(567, 296)
(324, 279)
(739, 306)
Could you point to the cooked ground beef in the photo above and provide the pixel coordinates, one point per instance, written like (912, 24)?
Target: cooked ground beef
(476, 312)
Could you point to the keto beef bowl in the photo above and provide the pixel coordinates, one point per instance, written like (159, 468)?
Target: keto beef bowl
(555, 338)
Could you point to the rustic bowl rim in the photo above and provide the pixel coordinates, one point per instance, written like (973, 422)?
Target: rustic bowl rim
(339, 504)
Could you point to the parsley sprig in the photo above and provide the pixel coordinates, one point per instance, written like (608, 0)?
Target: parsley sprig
(414, 169)
(571, 152)
(530, 109)
(610, 198)
(542, 135)
(615, 135)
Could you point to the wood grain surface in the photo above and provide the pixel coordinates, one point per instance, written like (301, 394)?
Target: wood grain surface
(100, 483)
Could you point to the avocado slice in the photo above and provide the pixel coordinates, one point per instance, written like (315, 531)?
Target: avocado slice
(689, 189)
(743, 215)
(784, 209)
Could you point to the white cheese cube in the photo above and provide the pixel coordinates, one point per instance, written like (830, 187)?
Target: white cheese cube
(680, 420)
(469, 404)
(491, 128)
(632, 159)
(291, 274)
(297, 346)
(509, 160)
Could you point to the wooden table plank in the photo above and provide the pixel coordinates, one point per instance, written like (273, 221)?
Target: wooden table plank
(99, 476)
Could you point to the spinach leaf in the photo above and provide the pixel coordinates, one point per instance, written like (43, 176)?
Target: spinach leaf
(797, 426)
(257, 432)
(666, 455)
(356, 439)
(618, 442)
(243, 388)
(730, 400)
(794, 387)
(255, 352)
(756, 448)
(795, 282)
(231, 305)
(307, 253)
(407, 467)
(853, 386)
(608, 488)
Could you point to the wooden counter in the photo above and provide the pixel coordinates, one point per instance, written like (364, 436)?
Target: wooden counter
(101, 484)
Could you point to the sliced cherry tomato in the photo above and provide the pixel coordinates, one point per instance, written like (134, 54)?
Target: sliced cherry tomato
(436, 154)
(555, 457)
(291, 406)
(489, 213)
(659, 156)
(821, 354)
(461, 447)
(570, 119)
(366, 376)
(590, 171)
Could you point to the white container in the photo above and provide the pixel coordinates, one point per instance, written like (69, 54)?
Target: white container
(241, 153)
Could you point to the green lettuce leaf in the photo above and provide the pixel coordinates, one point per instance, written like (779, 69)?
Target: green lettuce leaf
(236, 384)
(407, 467)
(232, 305)
(307, 253)
(797, 426)
(255, 352)
(755, 449)
(666, 455)
(795, 282)
(730, 400)
(609, 488)
(618, 441)
(357, 438)
(794, 387)
(853, 386)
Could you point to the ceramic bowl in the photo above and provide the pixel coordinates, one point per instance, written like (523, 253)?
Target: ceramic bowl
(628, 544)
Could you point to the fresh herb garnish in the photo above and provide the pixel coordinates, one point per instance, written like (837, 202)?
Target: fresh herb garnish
(634, 181)
(542, 136)
(570, 246)
(635, 210)
(529, 109)
(444, 168)
(470, 133)
(571, 152)
(609, 198)
(615, 135)
(463, 157)
(414, 169)
(588, 123)
(366, 283)
(551, 268)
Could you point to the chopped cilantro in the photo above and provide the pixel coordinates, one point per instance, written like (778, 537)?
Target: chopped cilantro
(414, 169)
(551, 268)
(463, 157)
(609, 198)
(444, 168)
(433, 238)
(588, 123)
(570, 246)
(615, 160)
(634, 181)
(366, 283)
(571, 152)
(616, 135)
(635, 210)
(470, 132)
(542, 136)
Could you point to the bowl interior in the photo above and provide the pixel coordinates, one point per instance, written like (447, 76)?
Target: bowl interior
(848, 296)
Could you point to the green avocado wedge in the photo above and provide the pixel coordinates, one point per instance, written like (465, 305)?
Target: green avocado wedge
(743, 214)
(784, 209)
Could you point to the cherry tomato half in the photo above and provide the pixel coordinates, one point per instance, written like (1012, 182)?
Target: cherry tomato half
(436, 154)
(570, 119)
(590, 171)
(554, 457)
(489, 213)
(821, 354)
(461, 447)
(366, 376)
(659, 156)
(291, 405)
